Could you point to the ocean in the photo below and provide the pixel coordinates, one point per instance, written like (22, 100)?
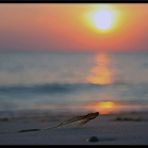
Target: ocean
(73, 81)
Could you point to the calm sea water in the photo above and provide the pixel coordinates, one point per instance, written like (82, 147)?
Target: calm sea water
(37, 80)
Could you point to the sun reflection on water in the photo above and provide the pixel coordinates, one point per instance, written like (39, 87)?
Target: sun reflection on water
(105, 107)
(101, 72)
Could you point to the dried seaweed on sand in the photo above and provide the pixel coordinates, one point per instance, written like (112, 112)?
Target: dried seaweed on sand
(81, 119)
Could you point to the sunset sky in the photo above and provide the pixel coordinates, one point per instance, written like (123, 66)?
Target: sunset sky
(73, 27)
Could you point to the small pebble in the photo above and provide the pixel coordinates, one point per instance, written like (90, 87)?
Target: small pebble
(93, 139)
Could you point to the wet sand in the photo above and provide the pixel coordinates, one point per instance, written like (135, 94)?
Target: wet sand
(115, 129)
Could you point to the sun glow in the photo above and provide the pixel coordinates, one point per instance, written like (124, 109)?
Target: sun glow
(103, 19)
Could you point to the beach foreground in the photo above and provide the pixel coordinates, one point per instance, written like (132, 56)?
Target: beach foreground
(115, 129)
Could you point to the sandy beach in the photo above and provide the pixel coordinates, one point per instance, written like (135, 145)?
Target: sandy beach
(113, 129)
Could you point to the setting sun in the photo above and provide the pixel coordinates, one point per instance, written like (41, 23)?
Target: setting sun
(103, 19)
